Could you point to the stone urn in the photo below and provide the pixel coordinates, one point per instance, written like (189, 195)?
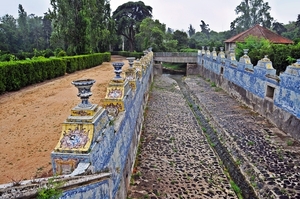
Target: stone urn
(84, 91)
(118, 70)
(130, 60)
(145, 52)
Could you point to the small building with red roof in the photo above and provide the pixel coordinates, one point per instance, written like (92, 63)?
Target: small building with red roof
(257, 31)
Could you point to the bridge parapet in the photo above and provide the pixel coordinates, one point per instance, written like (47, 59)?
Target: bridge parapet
(175, 54)
(176, 57)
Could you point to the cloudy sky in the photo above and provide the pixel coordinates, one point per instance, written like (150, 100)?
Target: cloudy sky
(177, 14)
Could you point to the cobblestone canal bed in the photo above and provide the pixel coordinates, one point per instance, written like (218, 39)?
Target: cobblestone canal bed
(175, 158)
(267, 157)
(195, 135)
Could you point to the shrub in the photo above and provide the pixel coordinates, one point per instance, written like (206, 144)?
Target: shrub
(18, 74)
(48, 53)
(128, 54)
(281, 55)
(61, 53)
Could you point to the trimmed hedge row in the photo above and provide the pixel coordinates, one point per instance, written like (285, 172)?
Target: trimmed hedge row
(137, 55)
(18, 74)
(81, 62)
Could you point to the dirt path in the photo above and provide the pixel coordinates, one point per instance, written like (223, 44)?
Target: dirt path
(30, 121)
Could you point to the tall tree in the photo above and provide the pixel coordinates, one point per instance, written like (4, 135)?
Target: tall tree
(279, 28)
(8, 34)
(182, 39)
(252, 12)
(191, 30)
(101, 28)
(152, 34)
(47, 29)
(170, 30)
(127, 18)
(35, 29)
(298, 21)
(23, 29)
(204, 28)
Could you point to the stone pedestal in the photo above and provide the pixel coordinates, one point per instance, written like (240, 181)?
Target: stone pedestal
(138, 67)
(78, 129)
(80, 132)
(221, 56)
(207, 52)
(245, 62)
(131, 76)
(214, 54)
(232, 58)
(264, 67)
(116, 92)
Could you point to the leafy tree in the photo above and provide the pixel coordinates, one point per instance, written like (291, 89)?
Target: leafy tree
(191, 30)
(292, 31)
(35, 30)
(279, 28)
(256, 47)
(70, 24)
(81, 26)
(8, 34)
(204, 28)
(298, 21)
(182, 39)
(170, 44)
(47, 29)
(23, 28)
(252, 12)
(152, 34)
(215, 39)
(170, 30)
(127, 18)
(101, 29)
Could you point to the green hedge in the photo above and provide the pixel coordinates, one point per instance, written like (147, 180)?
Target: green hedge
(18, 74)
(137, 55)
(81, 62)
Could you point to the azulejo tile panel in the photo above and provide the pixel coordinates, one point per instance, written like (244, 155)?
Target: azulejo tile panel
(75, 138)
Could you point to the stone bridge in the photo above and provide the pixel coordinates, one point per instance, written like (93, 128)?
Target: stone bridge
(175, 57)
(189, 58)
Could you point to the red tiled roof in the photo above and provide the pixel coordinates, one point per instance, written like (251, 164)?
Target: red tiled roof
(259, 31)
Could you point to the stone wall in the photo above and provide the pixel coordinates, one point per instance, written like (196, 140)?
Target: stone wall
(275, 97)
(116, 134)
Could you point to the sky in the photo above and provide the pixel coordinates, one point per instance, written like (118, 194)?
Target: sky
(176, 14)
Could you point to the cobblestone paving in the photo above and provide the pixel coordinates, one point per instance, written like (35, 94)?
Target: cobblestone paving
(174, 159)
(268, 158)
